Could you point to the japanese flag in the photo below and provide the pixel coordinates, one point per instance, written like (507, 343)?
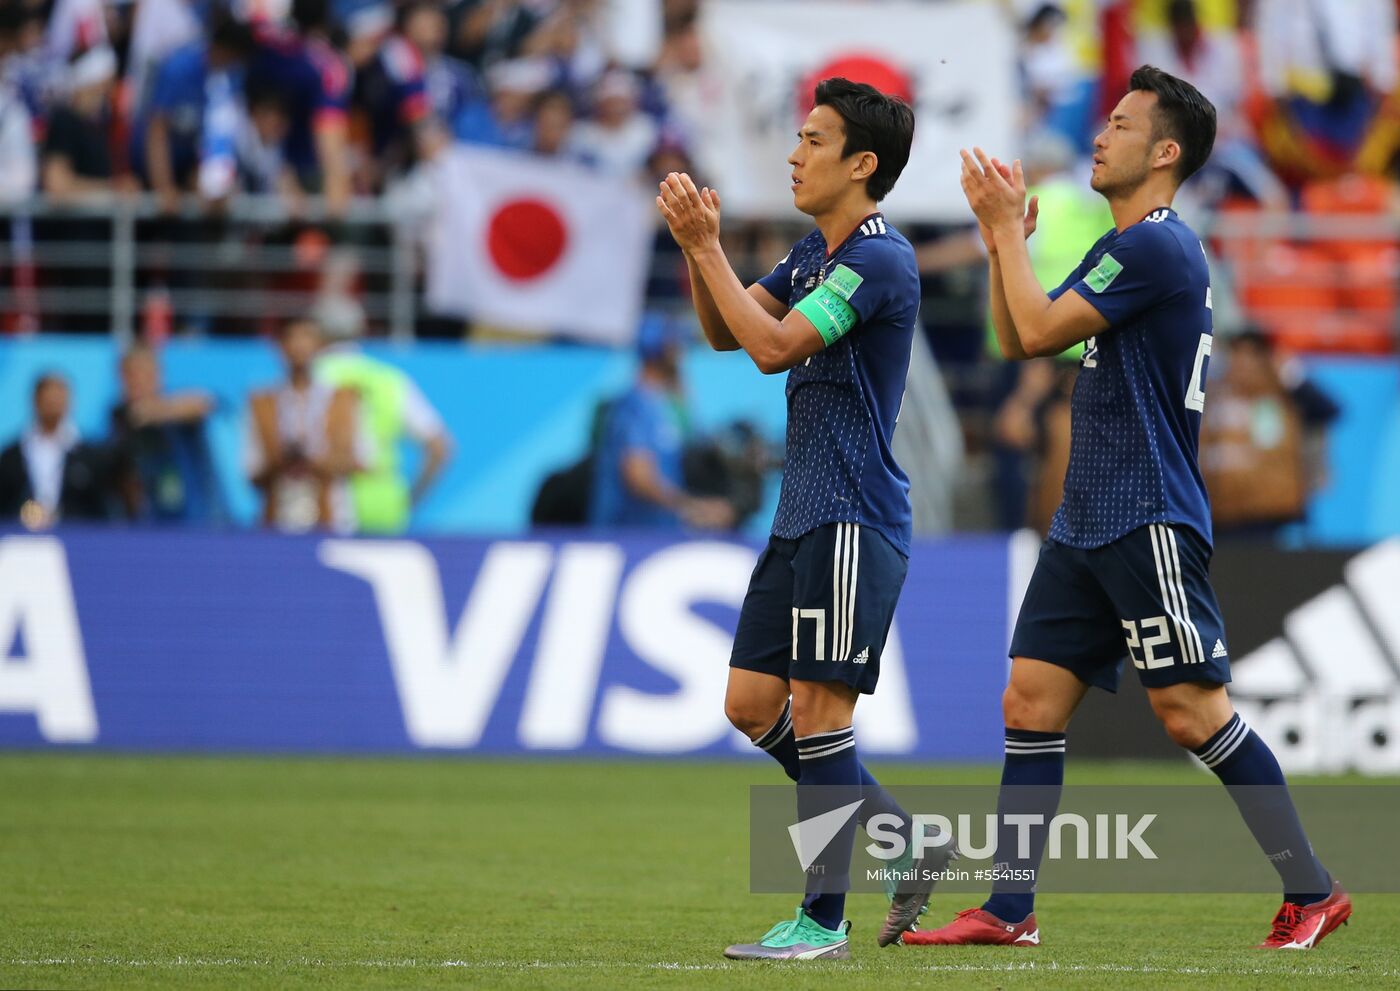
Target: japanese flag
(532, 243)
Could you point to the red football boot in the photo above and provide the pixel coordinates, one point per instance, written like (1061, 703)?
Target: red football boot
(1301, 927)
(978, 927)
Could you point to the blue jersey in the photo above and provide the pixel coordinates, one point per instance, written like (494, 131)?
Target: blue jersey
(1136, 409)
(842, 402)
(177, 91)
(646, 420)
(314, 81)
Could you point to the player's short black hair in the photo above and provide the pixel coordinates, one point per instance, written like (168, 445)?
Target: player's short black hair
(875, 122)
(1182, 113)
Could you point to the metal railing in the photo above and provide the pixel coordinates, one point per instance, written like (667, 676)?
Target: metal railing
(1316, 281)
(110, 260)
(115, 263)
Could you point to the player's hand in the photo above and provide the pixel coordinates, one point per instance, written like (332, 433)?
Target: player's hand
(691, 214)
(997, 194)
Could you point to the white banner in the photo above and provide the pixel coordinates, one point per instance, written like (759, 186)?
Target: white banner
(537, 245)
(954, 62)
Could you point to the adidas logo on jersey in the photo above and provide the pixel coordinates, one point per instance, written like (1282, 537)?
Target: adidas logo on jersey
(863, 657)
(1219, 650)
(875, 225)
(1157, 216)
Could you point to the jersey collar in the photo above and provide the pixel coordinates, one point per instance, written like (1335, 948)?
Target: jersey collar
(1149, 213)
(854, 230)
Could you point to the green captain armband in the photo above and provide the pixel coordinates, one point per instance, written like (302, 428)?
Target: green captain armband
(828, 306)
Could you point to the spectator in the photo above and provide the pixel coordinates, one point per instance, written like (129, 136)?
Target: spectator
(554, 125)
(1317, 410)
(49, 474)
(637, 477)
(158, 29)
(1017, 437)
(261, 164)
(450, 82)
(503, 119)
(23, 60)
(304, 441)
(393, 409)
(169, 138)
(679, 89)
(391, 89)
(360, 29)
(486, 32)
(166, 471)
(1052, 421)
(574, 37)
(77, 166)
(18, 163)
(1252, 443)
(1055, 90)
(18, 166)
(668, 280)
(77, 162)
(313, 80)
(619, 138)
(1213, 62)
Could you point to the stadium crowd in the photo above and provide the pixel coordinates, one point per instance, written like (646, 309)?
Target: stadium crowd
(200, 102)
(339, 97)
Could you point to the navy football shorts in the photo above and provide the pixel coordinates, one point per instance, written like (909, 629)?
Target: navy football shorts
(1146, 597)
(819, 607)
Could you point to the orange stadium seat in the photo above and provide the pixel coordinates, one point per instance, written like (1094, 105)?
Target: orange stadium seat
(1327, 294)
(1366, 269)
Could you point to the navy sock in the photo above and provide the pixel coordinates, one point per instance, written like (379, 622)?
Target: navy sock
(880, 802)
(1031, 779)
(830, 779)
(1250, 772)
(780, 743)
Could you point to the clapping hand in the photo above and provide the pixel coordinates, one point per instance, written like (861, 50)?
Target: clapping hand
(691, 214)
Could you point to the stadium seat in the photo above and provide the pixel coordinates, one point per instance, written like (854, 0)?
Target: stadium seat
(1366, 269)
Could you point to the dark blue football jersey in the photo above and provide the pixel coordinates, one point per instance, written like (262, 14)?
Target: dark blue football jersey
(1136, 409)
(842, 402)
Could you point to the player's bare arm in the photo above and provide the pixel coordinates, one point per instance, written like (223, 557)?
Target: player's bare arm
(1002, 323)
(775, 338)
(1031, 325)
(711, 322)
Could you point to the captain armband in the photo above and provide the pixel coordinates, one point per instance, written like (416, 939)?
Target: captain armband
(829, 312)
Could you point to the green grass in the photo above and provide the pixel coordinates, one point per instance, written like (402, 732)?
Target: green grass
(251, 873)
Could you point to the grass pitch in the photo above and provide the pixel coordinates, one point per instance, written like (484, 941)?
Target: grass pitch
(142, 872)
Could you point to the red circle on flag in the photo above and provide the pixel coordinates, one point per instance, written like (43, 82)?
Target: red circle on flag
(526, 238)
(858, 67)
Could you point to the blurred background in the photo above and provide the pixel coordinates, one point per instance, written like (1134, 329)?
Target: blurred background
(275, 276)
